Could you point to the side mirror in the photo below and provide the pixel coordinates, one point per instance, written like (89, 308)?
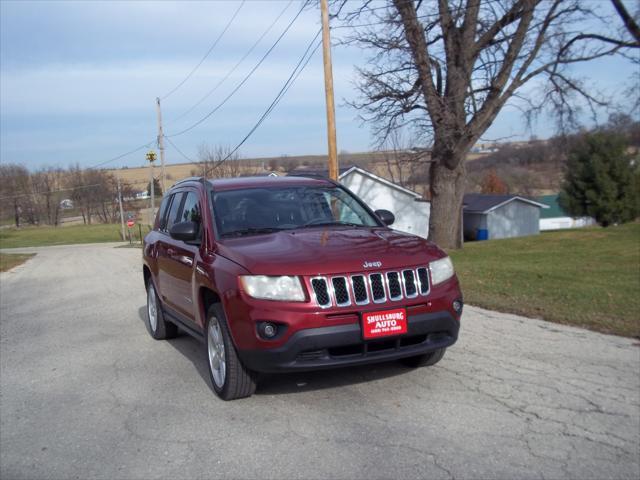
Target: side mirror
(386, 217)
(185, 231)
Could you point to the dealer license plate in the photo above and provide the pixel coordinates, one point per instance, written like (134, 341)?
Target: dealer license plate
(384, 323)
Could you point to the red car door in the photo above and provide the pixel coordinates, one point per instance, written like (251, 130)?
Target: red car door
(179, 261)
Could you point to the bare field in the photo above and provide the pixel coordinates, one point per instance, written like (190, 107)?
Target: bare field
(139, 176)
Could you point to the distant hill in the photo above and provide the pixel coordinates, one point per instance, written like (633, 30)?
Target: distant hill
(534, 167)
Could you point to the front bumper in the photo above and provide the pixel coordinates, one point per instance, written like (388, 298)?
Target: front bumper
(342, 345)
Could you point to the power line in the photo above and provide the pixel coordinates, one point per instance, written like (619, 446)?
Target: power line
(230, 72)
(180, 151)
(137, 149)
(52, 191)
(208, 52)
(287, 85)
(244, 80)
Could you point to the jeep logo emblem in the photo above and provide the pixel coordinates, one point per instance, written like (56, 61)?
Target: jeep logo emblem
(377, 264)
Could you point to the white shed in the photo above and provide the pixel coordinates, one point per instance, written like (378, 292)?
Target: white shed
(410, 210)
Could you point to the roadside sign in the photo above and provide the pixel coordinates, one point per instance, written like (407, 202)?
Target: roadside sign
(130, 223)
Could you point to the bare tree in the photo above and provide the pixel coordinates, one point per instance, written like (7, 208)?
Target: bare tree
(399, 159)
(47, 187)
(629, 22)
(217, 162)
(15, 190)
(447, 68)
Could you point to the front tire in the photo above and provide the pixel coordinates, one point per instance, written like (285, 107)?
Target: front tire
(229, 377)
(426, 360)
(157, 327)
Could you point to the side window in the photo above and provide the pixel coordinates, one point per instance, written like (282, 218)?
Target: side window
(191, 209)
(174, 210)
(162, 213)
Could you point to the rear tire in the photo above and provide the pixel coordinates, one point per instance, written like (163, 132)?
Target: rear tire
(426, 360)
(157, 327)
(230, 379)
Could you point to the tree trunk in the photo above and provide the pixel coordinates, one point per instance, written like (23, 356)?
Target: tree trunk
(447, 191)
(48, 197)
(16, 210)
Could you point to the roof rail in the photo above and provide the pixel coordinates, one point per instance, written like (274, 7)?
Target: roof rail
(319, 176)
(189, 179)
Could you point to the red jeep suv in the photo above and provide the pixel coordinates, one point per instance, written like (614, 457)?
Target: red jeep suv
(283, 274)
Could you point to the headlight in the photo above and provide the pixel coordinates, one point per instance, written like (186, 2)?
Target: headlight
(441, 270)
(273, 288)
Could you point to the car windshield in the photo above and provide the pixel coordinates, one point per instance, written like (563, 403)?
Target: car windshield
(263, 210)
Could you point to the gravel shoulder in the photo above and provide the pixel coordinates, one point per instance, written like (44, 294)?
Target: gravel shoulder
(85, 392)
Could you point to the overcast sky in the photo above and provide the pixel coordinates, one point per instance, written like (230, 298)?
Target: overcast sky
(79, 80)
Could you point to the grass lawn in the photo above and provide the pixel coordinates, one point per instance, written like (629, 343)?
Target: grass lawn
(585, 277)
(42, 236)
(10, 260)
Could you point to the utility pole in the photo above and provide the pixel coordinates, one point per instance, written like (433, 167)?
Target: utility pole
(161, 144)
(151, 156)
(328, 88)
(120, 202)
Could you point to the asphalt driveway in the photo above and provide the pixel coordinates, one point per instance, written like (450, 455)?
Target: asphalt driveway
(86, 393)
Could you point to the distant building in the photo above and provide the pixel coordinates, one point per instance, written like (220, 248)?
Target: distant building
(260, 174)
(142, 195)
(488, 217)
(66, 203)
(410, 210)
(555, 218)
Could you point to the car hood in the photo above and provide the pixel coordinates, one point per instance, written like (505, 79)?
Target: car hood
(320, 251)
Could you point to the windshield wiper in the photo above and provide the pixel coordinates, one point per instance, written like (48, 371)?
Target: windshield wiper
(252, 231)
(333, 222)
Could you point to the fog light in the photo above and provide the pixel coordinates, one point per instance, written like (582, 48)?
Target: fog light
(268, 330)
(457, 306)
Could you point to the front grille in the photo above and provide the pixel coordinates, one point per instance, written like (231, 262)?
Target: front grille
(310, 355)
(321, 291)
(343, 291)
(360, 289)
(377, 287)
(395, 290)
(423, 280)
(410, 289)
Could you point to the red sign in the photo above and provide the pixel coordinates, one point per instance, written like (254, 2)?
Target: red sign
(130, 223)
(385, 323)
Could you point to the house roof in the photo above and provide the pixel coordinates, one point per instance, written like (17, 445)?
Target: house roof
(318, 171)
(384, 181)
(347, 170)
(260, 174)
(554, 210)
(480, 203)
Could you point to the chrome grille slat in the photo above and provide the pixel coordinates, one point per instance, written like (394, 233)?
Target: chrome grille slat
(321, 291)
(409, 284)
(377, 287)
(423, 280)
(341, 291)
(378, 293)
(360, 291)
(395, 288)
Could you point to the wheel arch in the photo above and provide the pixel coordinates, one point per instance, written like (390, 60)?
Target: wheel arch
(208, 297)
(146, 272)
